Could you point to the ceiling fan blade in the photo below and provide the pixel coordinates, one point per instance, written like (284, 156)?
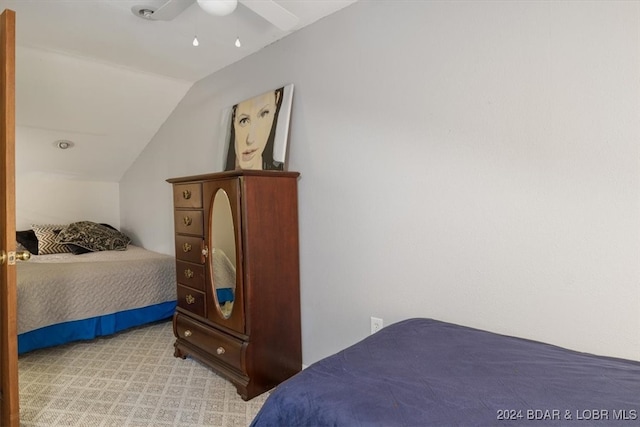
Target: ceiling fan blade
(170, 10)
(273, 12)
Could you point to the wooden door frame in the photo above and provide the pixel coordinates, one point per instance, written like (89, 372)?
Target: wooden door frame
(9, 397)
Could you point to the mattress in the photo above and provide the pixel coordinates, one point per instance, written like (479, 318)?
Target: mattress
(132, 287)
(423, 372)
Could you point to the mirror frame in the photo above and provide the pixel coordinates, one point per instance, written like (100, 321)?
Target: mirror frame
(222, 240)
(236, 320)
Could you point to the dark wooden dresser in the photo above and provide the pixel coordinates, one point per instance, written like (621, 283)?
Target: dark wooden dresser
(236, 236)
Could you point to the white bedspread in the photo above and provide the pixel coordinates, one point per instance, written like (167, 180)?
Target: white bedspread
(224, 272)
(63, 287)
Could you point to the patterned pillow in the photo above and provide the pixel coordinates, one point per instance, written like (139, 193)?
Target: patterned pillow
(47, 243)
(94, 237)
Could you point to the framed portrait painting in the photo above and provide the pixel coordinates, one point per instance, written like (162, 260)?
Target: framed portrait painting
(259, 131)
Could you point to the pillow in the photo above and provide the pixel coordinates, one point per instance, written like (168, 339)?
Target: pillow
(47, 243)
(28, 239)
(79, 250)
(93, 237)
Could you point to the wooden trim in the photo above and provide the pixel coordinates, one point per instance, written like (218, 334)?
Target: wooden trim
(9, 406)
(234, 173)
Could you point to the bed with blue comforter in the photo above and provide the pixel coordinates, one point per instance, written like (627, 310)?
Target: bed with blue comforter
(424, 372)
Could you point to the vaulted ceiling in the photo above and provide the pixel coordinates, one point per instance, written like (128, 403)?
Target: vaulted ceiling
(96, 73)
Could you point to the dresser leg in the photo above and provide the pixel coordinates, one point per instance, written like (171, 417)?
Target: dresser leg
(178, 353)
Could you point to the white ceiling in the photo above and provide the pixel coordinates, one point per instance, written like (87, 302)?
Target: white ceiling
(93, 72)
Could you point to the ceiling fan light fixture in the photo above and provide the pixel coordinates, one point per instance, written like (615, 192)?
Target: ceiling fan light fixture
(218, 7)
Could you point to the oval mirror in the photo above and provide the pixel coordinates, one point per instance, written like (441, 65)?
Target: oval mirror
(223, 253)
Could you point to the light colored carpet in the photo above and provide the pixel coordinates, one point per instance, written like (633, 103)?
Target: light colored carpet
(130, 379)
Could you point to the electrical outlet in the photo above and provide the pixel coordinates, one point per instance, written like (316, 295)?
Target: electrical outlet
(376, 324)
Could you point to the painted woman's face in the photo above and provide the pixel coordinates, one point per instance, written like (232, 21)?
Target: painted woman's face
(252, 125)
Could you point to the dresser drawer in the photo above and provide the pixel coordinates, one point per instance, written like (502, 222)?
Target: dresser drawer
(189, 249)
(187, 195)
(221, 346)
(191, 275)
(191, 300)
(188, 222)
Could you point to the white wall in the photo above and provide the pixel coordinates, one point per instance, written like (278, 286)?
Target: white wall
(43, 198)
(104, 110)
(475, 162)
(108, 111)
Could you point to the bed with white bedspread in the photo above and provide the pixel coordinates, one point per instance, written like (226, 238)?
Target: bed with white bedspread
(65, 297)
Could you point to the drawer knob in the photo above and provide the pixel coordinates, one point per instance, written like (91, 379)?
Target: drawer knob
(220, 350)
(187, 333)
(186, 194)
(186, 247)
(190, 299)
(187, 220)
(188, 273)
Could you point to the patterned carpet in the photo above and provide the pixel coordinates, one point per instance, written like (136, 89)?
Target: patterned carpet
(130, 379)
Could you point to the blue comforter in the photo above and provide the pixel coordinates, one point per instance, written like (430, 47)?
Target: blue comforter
(423, 372)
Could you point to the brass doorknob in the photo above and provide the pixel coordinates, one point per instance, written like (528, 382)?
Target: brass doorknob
(13, 256)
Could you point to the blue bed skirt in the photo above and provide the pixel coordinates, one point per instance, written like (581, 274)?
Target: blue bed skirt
(88, 329)
(224, 295)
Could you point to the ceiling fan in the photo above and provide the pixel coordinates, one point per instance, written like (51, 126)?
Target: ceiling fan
(268, 9)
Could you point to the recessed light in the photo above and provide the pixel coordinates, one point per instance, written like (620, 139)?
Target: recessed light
(63, 144)
(143, 12)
